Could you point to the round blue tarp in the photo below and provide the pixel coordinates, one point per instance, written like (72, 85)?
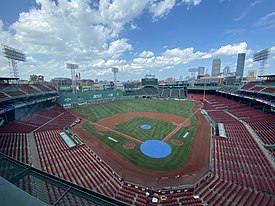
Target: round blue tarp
(145, 126)
(155, 148)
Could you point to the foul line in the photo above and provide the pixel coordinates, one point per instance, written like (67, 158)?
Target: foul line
(165, 139)
(119, 133)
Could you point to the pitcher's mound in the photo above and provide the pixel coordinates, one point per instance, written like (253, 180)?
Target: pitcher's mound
(129, 145)
(177, 142)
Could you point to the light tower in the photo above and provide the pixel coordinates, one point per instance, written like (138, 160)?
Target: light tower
(14, 56)
(115, 71)
(261, 57)
(72, 67)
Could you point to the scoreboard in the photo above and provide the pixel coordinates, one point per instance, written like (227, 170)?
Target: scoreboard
(149, 82)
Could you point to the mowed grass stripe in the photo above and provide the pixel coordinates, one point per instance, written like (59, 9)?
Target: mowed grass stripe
(159, 130)
(97, 112)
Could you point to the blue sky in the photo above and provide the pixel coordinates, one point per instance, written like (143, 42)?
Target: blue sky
(160, 37)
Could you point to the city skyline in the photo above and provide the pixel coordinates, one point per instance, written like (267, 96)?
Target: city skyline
(164, 38)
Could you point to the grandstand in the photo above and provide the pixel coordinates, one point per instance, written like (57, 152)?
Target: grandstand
(35, 158)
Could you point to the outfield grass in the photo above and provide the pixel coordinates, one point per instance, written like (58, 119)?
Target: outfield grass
(97, 112)
(179, 154)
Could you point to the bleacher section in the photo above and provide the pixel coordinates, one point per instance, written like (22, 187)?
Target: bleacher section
(14, 90)
(228, 89)
(15, 93)
(60, 119)
(17, 127)
(3, 95)
(173, 93)
(43, 88)
(182, 93)
(29, 89)
(150, 91)
(79, 164)
(136, 195)
(165, 93)
(15, 145)
(48, 119)
(242, 174)
(263, 124)
(261, 87)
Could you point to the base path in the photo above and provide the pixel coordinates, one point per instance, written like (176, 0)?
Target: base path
(117, 132)
(183, 124)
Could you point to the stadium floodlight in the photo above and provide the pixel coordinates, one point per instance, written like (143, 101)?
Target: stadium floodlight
(261, 57)
(14, 56)
(72, 67)
(115, 71)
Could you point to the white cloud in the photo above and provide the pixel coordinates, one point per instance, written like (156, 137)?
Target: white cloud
(161, 8)
(146, 54)
(234, 32)
(267, 21)
(170, 58)
(221, 1)
(229, 49)
(80, 31)
(119, 12)
(191, 2)
(133, 26)
(272, 49)
(273, 57)
(117, 48)
(255, 3)
(72, 31)
(241, 16)
(249, 63)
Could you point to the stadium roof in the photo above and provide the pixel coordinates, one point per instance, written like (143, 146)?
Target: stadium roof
(270, 75)
(7, 79)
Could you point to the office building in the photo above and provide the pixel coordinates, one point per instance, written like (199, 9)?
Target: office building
(216, 67)
(240, 64)
(200, 71)
(252, 74)
(226, 70)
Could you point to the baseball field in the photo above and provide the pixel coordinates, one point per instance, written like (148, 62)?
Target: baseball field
(118, 125)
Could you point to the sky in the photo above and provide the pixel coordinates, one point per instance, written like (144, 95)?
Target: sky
(160, 37)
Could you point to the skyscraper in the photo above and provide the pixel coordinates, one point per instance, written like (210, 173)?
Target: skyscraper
(201, 71)
(240, 64)
(226, 70)
(216, 66)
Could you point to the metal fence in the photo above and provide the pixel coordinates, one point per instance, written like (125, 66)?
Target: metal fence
(48, 188)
